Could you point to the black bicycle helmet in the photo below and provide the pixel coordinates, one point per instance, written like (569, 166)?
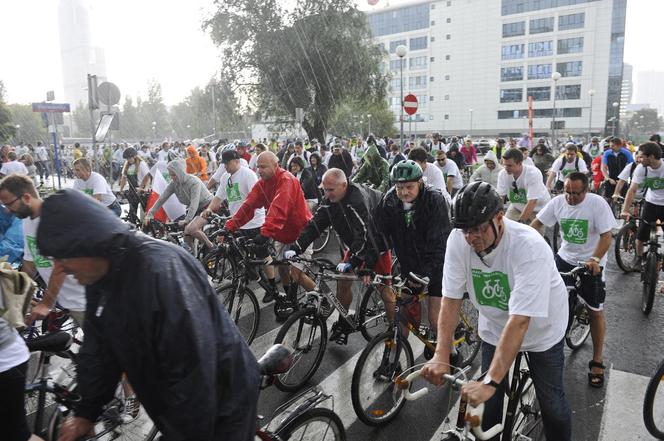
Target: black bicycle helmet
(475, 204)
(129, 153)
(406, 171)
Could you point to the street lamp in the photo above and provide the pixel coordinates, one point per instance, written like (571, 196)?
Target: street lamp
(615, 116)
(369, 130)
(555, 77)
(401, 51)
(18, 132)
(591, 92)
(471, 122)
(154, 130)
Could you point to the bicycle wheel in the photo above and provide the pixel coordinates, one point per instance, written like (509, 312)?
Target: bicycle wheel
(649, 283)
(321, 241)
(243, 309)
(306, 333)
(528, 418)
(625, 247)
(376, 398)
(316, 424)
(466, 338)
(218, 266)
(372, 319)
(555, 238)
(653, 404)
(578, 325)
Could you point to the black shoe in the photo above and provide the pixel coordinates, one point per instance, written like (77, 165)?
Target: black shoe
(325, 308)
(339, 333)
(269, 296)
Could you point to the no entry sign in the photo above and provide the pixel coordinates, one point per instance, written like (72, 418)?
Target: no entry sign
(410, 104)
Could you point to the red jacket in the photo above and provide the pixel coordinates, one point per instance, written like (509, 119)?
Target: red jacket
(595, 166)
(287, 211)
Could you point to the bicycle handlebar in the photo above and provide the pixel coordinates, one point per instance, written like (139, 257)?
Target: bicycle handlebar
(576, 271)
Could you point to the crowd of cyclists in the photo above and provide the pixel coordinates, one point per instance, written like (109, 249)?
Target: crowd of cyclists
(471, 224)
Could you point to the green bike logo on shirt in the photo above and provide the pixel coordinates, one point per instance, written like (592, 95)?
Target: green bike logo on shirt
(37, 259)
(654, 183)
(88, 191)
(491, 289)
(233, 192)
(575, 230)
(518, 196)
(567, 171)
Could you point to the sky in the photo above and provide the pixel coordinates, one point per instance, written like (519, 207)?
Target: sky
(163, 40)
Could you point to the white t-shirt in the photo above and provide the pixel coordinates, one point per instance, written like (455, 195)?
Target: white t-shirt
(580, 225)
(72, 293)
(96, 184)
(41, 153)
(568, 168)
(519, 277)
(143, 171)
(654, 182)
(222, 169)
(528, 161)
(625, 176)
(162, 155)
(434, 177)
(234, 189)
(14, 353)
(450, 169)
(529, 186)
(13, 167)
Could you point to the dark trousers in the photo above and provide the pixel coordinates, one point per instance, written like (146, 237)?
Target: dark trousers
(13, 424)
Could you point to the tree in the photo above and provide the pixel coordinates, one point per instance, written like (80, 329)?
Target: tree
(130, 122)
(313, 57)
(154, 110)
(7, 128)
(644, 121)
(351, 117)
(31, 126)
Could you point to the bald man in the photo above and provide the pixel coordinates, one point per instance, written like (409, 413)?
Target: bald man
(347, 207)
(279, 192)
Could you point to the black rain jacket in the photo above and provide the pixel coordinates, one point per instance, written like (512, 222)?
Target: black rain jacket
(155, 317)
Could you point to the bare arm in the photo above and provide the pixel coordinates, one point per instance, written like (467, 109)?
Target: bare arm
(528, 210)
(550, 179)
(508, 346)
(536, 224)
(629, 199)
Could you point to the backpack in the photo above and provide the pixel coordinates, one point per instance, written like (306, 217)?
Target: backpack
(17, 289)
(576, 164)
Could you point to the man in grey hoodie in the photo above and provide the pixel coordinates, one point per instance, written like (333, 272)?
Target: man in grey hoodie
(189, 190)
(489, 171)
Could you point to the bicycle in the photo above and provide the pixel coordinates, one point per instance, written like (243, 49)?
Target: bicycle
(321, 241)
(625, 241)
(653, 412)
(522, 421)
(652, 261)
(578, 324)
(306, 330)
(374, 387)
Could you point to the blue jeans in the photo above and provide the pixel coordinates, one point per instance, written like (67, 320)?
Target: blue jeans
(546, 370)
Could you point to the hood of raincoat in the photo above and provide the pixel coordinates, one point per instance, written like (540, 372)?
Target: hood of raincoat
(491, 156)
(75, 225)
(372, 154)
(192, 150)
(179, 169)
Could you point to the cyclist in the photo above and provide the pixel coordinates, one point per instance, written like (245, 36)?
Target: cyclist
(509, 272)
(626, 176)
(196, 164)
(451, 172)
(298, 152)
(586, 221)
(430, 173)
(527, 160)
(395, 155)
(347, 207)
(523, 186)
(137, 173)
(469, 152)
(216, 177)
(413, 216)
(307, 181)
(650, 174)
(563, 166)
(13, 165)
(341, 159)
(593, 148)
(151, 313)
(489, 171)
(95, 185)
(374, 171)
(614, 161)
(499, 149)
(279, 192)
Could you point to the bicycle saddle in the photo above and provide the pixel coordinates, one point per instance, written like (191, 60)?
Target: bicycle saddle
(277, 360)
(53, 342)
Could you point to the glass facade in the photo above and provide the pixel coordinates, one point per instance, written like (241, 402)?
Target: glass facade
(570, 45)
(418, 82)
(541, 25)
(395, 21)
(418, 43)
(615, 60)
(509, 7)
(512, 51)
(511, 95)
(394, 64)
(568, 92)
(395, 44)
(511, 73)
(567, 112)
(539, 71)
(540, 49)
(417, 62)
(539, 93)
(570, 69)
(514, 29)
(572, 21)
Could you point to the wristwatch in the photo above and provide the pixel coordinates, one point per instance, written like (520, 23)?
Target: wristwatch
(595, 259)
(489, 381)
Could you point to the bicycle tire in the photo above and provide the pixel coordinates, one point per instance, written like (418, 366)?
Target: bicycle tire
(467, 335)
(321, 241)
(302, 324)
(299, 427)
(624, 247)
(372, 319)
(578, 325)
(243, 309)
(555, 238)
(218, 266)
(655, 428)
(527, 422)
(377, 401)
(649, 283)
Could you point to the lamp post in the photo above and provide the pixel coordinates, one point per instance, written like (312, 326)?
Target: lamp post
(401, 51)
(188, 130)
(470, 133)
(154, 130)
(369, 129)
(591, 92)
(615, 116)
(18, 133)
(555, 77)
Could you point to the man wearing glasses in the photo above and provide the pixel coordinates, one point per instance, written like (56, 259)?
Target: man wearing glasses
(523, 186)
(450, 171)
(586, 221)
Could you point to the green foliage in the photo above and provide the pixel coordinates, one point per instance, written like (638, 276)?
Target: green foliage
(645, 121)
(351, 118)
(7, 127)
(314, 57)
(31, 127)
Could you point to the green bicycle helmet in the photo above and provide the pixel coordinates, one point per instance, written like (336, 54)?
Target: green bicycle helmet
(406, 171)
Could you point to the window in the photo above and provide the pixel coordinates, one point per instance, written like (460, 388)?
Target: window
(539, 71)
(514, 29)
(422, 101)
(509, 114)
(433, 39)
(447, 57)
(447, 77)
(568, 92)
(570, 45)
(540, 25)
(418, 82)
(570, 69)
(449, 20)
(394, 44)
(431, 98)
(418, 43)
(512, 51)
(448, 36)
(396, 21)
(570, 112)
(394, 101)
(449, 4)
(510, 7)
(417, 62)
(431, 79)
(433, 6)
(395, 83)
(511, 95)
(539, 93)
(572, 21)
(447, 116)
(447, 97)
(432, 59)
(540, 49)
(394, 64)
(433, 22)
(511, 73)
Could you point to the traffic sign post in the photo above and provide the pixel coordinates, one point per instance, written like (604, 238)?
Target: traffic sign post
(410, 104)
(53, 108)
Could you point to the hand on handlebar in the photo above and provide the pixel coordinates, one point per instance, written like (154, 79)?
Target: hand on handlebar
(344, 267)
(435, 368)
(148, 217)
(476, 392)
(625, 215)
(288, 255)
